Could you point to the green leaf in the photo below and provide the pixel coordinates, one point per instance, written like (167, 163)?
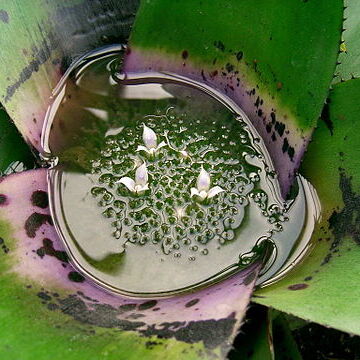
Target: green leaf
(39, 39)
(284, 343)
(13, 150)
(255, 339)
(324, 289)
(349, 57)
(276, 59)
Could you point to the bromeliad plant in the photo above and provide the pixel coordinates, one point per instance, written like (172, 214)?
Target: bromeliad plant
(286, 64)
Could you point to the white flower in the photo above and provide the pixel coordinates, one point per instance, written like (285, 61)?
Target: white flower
(202, 190)
(184, 153)
(140, 184)
(180, 212)
(150, 140)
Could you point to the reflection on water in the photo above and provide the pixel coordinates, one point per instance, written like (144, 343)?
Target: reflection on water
(160, 185)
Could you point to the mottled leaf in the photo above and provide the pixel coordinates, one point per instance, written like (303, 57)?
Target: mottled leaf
(39, 39)
(276, 59)
(324, 289)
(49, 310)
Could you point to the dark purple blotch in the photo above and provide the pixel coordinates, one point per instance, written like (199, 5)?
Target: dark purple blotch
(3, 200)
(4, 16)
(74, 276)
(345, 222)
(126, 307)
(48, 249)
(249, 278)
(34, 222)
(40, 199)
(44, 296)
(147, 305)
(211, 332)
(4, 248)
(298, 286)
(192, 303)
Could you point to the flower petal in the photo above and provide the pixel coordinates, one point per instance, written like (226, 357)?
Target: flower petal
(214, 191)
(141, 188)
(128, 182)
(141, 175)
(194, 191)
(203, 180)
(162, 144)
(203, 195)
(142, 148)
(149, 137)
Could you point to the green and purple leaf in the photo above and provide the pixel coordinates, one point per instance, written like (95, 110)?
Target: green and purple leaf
(324, 289)
(41, 286)
(275, 59)
(39, 39)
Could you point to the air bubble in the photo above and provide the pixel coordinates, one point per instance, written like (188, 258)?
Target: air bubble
(194, 248)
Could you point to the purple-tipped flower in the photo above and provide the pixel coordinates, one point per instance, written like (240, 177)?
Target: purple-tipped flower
(150, 140)
(140, 184)
(202, 190)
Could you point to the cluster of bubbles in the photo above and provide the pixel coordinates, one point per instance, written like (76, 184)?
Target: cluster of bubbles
(166, 214)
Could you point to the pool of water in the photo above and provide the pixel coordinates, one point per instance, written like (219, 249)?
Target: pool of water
(159, 184)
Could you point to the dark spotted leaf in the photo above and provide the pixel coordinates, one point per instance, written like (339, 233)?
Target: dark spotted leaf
(324, 289)
(48, 310)
(276, 59)
(39, 39)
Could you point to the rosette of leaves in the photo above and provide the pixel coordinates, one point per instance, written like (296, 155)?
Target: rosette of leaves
(292, 66)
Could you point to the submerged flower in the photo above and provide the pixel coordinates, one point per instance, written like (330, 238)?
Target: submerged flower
(202, 190)
(150, 140)
(140, 184)
(184, 153)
